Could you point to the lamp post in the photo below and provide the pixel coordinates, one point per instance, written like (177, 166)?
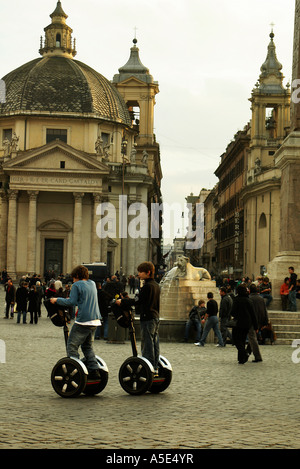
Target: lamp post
(123, 153)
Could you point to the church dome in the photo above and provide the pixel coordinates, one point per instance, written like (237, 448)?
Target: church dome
(58, 84)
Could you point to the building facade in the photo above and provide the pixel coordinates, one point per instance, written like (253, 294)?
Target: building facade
(247, 200)
(270, 105)
(229, 217)
(78, 160)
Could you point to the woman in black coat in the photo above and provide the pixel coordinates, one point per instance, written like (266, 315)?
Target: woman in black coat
(21, 299)
(243, 312)
(33, 305)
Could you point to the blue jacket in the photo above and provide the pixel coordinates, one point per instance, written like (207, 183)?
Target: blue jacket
(84, 295)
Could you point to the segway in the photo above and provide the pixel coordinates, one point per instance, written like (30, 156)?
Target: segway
(137, 375)
(70, 377)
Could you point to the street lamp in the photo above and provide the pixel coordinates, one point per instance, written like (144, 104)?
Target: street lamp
(123, 153)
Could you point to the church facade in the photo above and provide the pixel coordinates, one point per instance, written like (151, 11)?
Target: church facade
(77, 151)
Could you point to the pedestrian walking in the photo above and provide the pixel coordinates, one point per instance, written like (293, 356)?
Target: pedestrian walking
(10, 298)
(33, 304)
(212, 321)
(244, 315)
(40, 294)
(225, 310)
(104, 299)
(21, 300)
(196, 314)
(261, 315)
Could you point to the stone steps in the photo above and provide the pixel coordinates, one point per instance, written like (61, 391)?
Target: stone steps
(286, 325)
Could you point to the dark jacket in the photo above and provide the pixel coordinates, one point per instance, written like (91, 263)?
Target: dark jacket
(103, 302)
(113, 288)
(212, 308)
(10, 296)
(243, 312)
(195, 313)
(32, 301)
(259, 309)
(148, 300)
(21, 299)
(225, 307)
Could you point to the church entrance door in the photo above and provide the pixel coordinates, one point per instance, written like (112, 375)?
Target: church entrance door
(54, 249)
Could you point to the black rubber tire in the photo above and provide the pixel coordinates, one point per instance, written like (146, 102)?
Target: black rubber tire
(135, 376)
(68, 377)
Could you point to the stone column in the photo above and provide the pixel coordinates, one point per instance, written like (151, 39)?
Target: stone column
(95, 240)
(77, 223)
(12, 233)
(3, 228)
(287, 158)
(31, 232)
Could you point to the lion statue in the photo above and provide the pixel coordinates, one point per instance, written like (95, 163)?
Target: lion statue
(184, 269)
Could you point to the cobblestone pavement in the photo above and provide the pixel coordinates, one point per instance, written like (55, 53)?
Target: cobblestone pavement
(212, 401)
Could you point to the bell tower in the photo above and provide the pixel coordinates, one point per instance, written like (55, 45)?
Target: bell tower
(270, 107)
(138, 89)
(58, 36)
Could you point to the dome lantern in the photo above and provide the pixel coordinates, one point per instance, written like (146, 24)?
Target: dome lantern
(58, 36)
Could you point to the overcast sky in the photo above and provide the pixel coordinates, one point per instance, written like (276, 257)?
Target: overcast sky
(206, 57)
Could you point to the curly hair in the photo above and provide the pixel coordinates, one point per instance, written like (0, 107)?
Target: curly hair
(80, 272)
(147, 267)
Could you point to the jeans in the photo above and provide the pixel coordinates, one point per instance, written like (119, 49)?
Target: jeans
(82, 336)
(293, 301)
(19, 317)
(150, 341)
(212, 322)
(105, 329)
(224, 330)
(268, 297)
(197, 324)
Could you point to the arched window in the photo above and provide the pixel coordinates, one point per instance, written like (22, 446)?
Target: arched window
(58, 40)
(262, 221)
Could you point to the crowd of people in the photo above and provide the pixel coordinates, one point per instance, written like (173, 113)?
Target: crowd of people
(289, 290)
(243, 316)
(32, 290)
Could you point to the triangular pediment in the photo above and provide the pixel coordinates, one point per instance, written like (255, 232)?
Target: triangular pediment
(133, 81)
(55, 156)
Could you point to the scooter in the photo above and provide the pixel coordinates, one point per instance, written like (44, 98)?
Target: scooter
(137, 375)
(70, 377)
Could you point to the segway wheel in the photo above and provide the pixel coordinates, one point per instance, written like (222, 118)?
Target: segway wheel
(162, 381)
(69, 377)
(96, 386)
(135, 376)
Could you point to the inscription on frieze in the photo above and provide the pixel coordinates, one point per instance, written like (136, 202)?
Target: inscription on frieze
(50, 180)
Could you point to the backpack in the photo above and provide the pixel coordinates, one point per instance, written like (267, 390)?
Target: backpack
(121, 316)
(58, 314)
